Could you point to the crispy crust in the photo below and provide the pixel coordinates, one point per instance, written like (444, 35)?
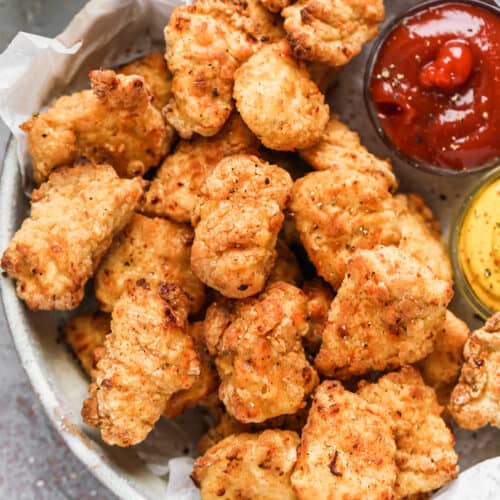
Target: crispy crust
(74, 216)
(259, 356)
(84, 334)
(278, 100)
(239, 220)
(331, 31)
(339, 211)
(175, 191)
(475, 401)
(113, 123)
(156, 250)
(347, 449)
(386, 314)
(286, 266)
(147, 357)
(425, 456)
(248, 466)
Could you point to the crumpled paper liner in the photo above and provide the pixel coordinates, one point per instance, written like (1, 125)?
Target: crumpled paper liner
(107, 33)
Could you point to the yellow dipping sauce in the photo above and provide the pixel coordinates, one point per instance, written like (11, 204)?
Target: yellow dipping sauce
(479, 245)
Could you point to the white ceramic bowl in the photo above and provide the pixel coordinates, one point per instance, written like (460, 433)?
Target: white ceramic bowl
(55, 376)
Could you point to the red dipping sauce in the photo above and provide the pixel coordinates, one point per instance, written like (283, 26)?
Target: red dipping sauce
(435, 85)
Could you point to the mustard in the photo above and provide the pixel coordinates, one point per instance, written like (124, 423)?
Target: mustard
(479, 245)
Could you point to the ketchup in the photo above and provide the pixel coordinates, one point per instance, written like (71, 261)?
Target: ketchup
(436, 85)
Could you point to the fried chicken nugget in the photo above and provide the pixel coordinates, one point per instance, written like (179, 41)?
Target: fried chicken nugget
(147, 357)
(205, 384)
(319, 298)
(238, 224)
(339, 211)
(156, 250)
(175, 191)
(425, 456)
(441, 368)
(475, 401)
(331, 31)
(347, 449)
(421, 235)
(84, 334)
(278, 100)
(113, 123)
(206, 43)
(153, 68)
(74, 216)
(259, 356)
(275, 5)
(341, 147)
(386, 314)
(249, 466)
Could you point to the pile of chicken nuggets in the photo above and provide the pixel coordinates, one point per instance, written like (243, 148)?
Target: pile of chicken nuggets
(264, 269)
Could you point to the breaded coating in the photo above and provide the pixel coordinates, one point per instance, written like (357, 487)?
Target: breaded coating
(147, 357)
(228, 425)
(331, 31)
(259, 356)
(341, 147)
(153, 68)
(421, 235)
(386, 314)
(175, 191)
(278, 100)
(248, 466)
(347, 449)
(425, 456)
(205, 384)
(441, 368)
(286, 266)
(152, 249)
(275, 5)
(238, 224)
(319, 298)
(206, 43)
(74, 216)
(339, 211)
(475, 401)
(84, 334)
(113, 123)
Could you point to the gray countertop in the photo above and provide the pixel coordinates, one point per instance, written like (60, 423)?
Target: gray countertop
(34, 461)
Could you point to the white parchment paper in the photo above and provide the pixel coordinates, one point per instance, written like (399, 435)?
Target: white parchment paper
(106, 33)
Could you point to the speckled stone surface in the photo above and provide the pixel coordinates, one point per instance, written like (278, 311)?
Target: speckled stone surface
(34, 461)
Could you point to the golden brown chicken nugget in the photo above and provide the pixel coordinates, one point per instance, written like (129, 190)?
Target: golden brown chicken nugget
(475, 401)
(278, 100)
(331, 31)
(275, 5)
(387, 313)
(175, 191)
(421, 235)
(425, 456)
(341, 147)
(74, 216)
(286, 266)
(147, 357)
(249, 466)
(156, 250)
(264, 25)
(441, 368)
(347, 449)
(205, 384)
(238, 222)
(153, 68)
(86, 333)
(339, 211)
(113, 123)
(259, 356)
(319, 299)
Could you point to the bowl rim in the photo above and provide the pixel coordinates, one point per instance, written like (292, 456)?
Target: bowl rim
(371, 61)
(14, 310)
